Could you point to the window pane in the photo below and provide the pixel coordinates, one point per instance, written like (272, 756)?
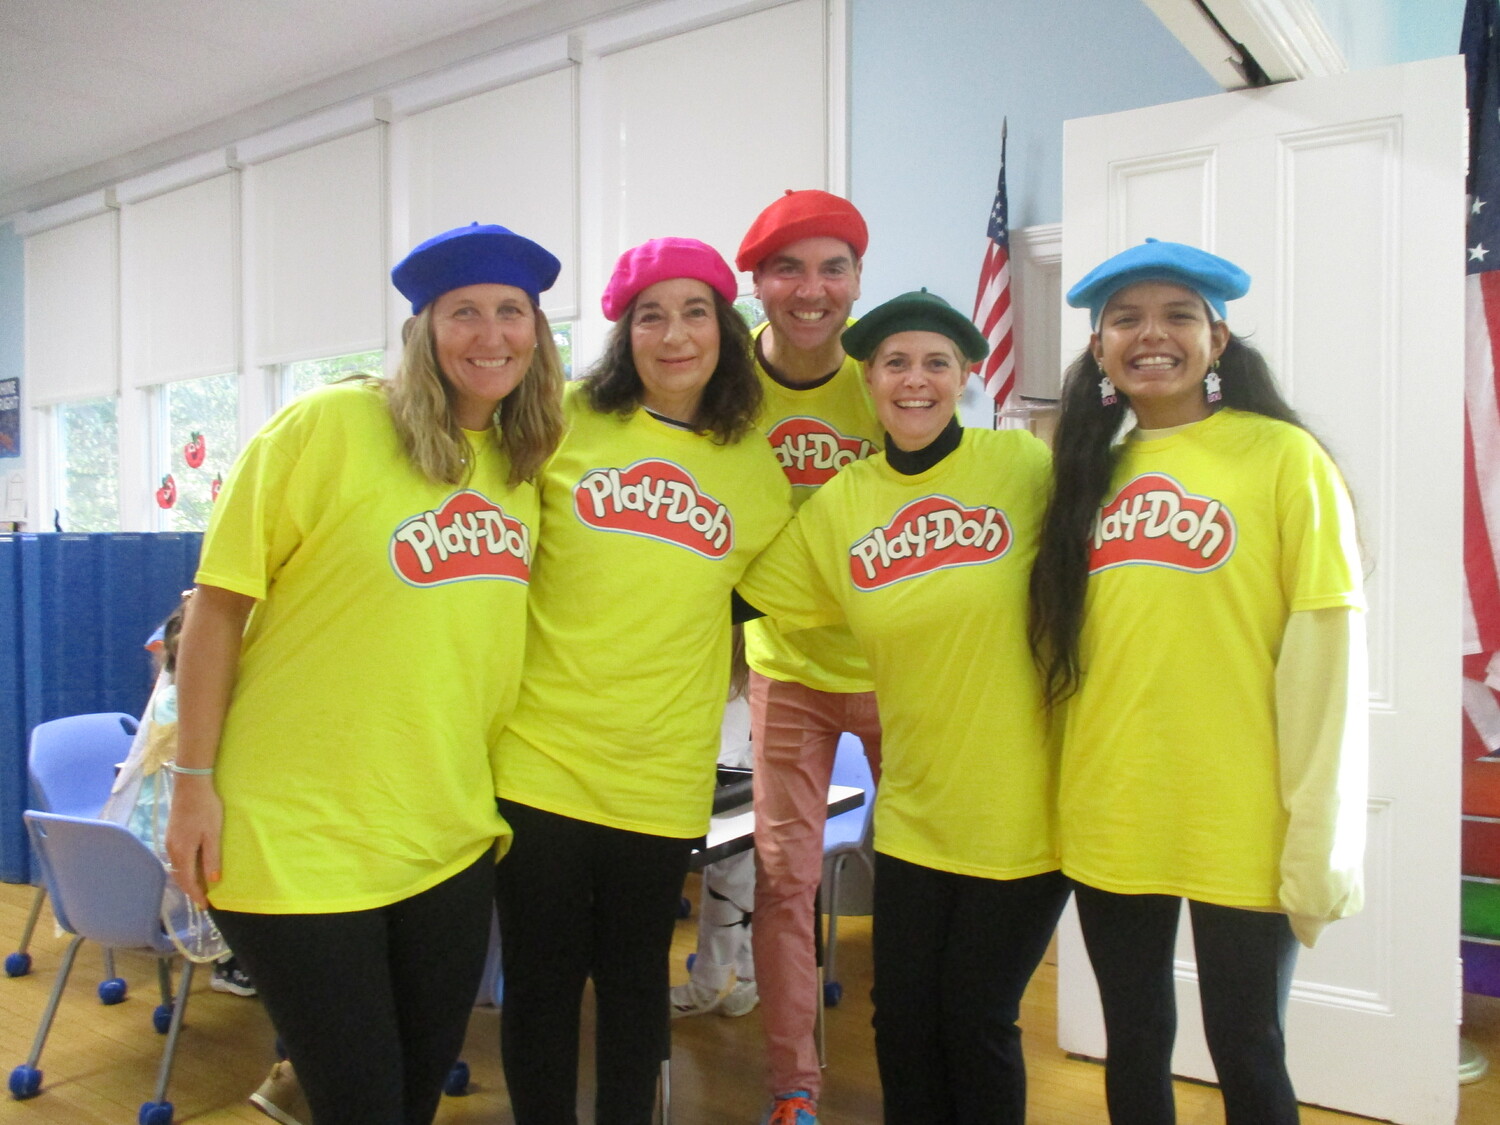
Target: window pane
(313, 373)
(751, 309)
(88, 466)
(201, 419)
(562, 336)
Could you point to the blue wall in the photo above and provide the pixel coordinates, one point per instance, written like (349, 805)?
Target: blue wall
(930, 84)
(1374, 33)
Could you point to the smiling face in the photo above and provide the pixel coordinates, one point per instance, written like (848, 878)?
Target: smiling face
(1156, 343)
(915, 379)
(484, 337)
(674, 341)
(808, 288)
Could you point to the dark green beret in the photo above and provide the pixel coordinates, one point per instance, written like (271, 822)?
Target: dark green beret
(914, 312)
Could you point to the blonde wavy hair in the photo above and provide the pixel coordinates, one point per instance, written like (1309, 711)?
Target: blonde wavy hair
(528, 424)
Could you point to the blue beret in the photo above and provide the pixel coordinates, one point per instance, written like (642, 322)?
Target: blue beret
(473, 255)
(1215, 279)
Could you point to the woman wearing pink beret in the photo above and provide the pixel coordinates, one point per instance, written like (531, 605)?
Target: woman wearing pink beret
(653, 506)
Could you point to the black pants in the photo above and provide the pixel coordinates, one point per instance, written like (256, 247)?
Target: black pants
(372, 1005)
(578, 899)
(953, 954)
(1245, 963)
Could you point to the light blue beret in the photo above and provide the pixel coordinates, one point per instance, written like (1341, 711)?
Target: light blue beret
(1215, 279)
(473, 255)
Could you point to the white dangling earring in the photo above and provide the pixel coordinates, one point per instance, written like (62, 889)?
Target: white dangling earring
(1107, 392)
(1211, 383)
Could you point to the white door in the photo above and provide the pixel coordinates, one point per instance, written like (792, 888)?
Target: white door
(1343, 198)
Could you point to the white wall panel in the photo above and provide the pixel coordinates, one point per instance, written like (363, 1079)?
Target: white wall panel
(507, 156)
(72, 311)
(178, 268)
(1036, 266)
(315, 246)
(700, 131)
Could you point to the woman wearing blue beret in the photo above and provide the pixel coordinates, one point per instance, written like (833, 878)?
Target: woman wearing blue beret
(354, 645)
(1197, 601)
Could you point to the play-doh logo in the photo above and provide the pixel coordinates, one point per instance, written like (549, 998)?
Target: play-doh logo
(658, 500)
(933, 533)
(469, 537)
(1152, 521)
(811, 451)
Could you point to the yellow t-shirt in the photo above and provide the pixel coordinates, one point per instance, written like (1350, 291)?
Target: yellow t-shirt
(1210, 537)
(383, 653)
(647, 528)
(815, 432)
(930, 572)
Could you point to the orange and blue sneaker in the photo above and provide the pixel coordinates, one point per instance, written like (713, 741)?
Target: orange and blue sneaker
(793, 1108)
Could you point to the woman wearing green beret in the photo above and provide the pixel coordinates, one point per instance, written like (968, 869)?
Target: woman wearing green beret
(1197, 602)
(924, 551)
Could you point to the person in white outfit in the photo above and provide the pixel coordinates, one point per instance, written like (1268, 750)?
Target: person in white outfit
(722, 977)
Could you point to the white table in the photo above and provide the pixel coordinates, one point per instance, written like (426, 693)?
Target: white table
(733, 830)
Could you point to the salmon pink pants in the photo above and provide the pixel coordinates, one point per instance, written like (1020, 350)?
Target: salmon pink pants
(795, 731)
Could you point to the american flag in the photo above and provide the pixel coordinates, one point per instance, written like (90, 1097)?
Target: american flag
(992, 311)
(1481, 652)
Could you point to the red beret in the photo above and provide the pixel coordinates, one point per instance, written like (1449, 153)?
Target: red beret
(798, 215)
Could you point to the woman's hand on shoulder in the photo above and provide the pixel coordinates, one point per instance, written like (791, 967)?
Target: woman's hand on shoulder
(193, 830)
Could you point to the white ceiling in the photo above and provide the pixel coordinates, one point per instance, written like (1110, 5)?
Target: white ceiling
(92, 91)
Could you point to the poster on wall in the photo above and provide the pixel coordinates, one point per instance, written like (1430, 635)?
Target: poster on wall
(10, 417)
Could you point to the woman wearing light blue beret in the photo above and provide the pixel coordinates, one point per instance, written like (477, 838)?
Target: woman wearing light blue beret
(1197, 602)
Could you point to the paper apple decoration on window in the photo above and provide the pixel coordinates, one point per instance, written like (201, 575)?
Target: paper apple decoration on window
(166, 495)
(195, 450)
(214, 486)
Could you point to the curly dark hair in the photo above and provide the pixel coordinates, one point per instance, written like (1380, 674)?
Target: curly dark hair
(1084, 457)
(731, 399)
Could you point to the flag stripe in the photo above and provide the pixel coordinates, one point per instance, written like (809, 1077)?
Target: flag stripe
(992, 297)
(1481, 507)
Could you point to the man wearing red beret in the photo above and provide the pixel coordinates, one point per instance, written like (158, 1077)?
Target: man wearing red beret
(806, 687)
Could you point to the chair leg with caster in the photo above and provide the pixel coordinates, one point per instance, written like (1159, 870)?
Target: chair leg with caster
(26, 1079)
(158, 1111)
(18, 964)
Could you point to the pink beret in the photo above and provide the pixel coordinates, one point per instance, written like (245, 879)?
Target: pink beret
(662, 259)
(798, 215)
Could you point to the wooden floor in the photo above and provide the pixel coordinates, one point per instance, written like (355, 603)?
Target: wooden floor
(100, 1063)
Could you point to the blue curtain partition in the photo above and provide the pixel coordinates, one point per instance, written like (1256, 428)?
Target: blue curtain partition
(75, 612)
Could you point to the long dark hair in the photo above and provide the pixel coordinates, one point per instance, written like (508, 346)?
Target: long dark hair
(731, 399)
(1083, 461)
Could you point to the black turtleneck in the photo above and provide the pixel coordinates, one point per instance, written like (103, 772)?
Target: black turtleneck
(910, 463)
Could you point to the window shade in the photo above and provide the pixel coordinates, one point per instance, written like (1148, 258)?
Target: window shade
(706, 128)
(507, 157)
(178, 269)
(315, 242)
(72, 311)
